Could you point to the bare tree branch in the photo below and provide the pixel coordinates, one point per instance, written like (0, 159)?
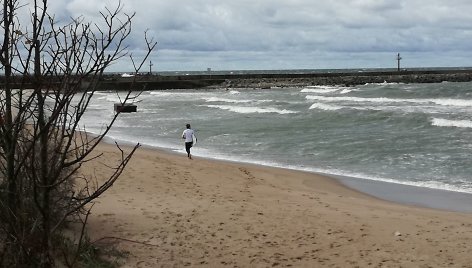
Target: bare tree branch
(51, 73)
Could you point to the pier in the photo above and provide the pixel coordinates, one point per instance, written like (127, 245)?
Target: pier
(262, 80)
(268, 80)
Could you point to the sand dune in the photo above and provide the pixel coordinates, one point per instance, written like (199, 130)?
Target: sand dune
(169, 211)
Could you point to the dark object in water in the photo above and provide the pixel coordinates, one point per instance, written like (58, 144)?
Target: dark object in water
(125, 108)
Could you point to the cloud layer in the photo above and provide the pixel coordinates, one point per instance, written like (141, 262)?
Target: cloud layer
(282, 34)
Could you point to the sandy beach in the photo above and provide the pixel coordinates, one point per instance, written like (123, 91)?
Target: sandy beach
(169, 211)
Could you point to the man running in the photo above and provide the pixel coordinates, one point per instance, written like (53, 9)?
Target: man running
(188, 135)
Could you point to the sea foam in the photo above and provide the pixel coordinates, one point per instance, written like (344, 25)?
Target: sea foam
(453, 102)
(442, 102)
(360, 99)
(216, 99)
(441, 122)
(250, 110)
(326, 107)
(321, 89)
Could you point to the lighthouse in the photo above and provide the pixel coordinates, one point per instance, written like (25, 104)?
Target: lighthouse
(398, 61)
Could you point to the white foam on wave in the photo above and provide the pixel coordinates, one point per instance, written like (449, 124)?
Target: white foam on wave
(384, 83)
(441, 122)
(251, 110)
(110, 98)
(325, 107)
(453, 102)
(216, 99)
(100, 93)
(442, 102)
(372, 100)
(322, 89)
(381, 104)
(113, 97)
(178, 93)
(234, 92)
(162, 93)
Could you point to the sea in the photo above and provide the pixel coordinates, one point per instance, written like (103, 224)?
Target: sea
(417, 135)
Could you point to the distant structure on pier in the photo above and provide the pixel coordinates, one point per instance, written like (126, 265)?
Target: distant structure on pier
(398, 61)
(150, 67)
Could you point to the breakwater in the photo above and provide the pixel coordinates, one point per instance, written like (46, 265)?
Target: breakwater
(351, 79)
(258, 80)
(268, 80)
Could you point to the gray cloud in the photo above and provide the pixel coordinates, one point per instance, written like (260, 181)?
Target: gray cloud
(243, 34)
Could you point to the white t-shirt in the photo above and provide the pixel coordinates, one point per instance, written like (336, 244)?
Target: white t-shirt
(188, 135)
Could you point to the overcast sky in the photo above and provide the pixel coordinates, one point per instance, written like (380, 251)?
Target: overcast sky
(295, 34)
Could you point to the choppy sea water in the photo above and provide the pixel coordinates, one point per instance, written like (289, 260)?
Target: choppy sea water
(412, 134)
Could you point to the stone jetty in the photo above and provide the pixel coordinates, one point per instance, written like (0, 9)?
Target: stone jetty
(349, 79)
(268, 80)
(264, 80)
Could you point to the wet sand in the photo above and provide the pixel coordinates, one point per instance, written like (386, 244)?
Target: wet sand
(412, 195)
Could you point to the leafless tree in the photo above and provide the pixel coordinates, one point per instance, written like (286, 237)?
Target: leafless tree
(51, 72)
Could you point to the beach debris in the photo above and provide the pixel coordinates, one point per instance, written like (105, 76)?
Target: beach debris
(125, 108)
(397, 233)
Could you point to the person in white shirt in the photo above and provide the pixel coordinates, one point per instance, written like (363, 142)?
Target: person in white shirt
(188, 135)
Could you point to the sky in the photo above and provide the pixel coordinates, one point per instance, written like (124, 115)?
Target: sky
(194, 35)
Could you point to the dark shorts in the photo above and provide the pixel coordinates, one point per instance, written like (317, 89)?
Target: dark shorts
(188, 145)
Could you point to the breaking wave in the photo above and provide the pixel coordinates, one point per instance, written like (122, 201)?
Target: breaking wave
(441, 122)
(443, 102)
(325, 107)
(251, 110)
(216, 99)
(322, 89)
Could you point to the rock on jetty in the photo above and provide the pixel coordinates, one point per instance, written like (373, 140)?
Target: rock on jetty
(346, 79)
(259, 80)
(268, 80)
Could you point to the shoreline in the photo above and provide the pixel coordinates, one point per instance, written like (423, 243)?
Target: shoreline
(403, 194)
(423, 197)
(410, 195)
(167, 210)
